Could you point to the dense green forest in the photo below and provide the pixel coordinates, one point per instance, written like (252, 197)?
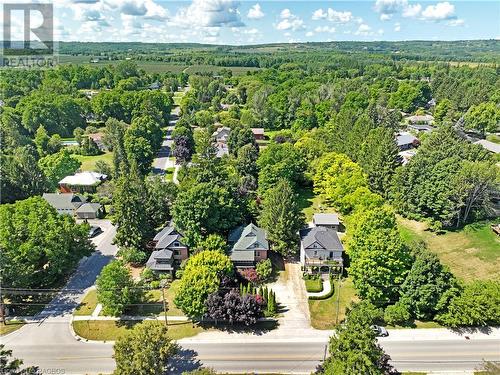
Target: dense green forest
(272, 55)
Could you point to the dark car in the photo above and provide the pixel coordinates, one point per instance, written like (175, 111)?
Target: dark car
(94, 231)
(380, 331)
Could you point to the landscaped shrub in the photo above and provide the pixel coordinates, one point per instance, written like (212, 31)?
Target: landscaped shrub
(132, 255)
(264, 269)
(326, 296)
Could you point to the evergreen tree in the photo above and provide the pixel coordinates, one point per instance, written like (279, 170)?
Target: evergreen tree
(379, 159)
(281, 217)
(130, 216)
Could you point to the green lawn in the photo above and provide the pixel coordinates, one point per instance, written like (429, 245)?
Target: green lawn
(313, 285)
(323, 312)
(471, 253)
(88, 304)
(493, 138)
(88, 162)
(311, 203)
(11, 326)
(169, 174)
(110, 330)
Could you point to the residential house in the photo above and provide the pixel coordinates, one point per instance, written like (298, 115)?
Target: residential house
(320, 249)
(258, 134)
(98, 139)
(490, 146)
(90, 211)
(327, 220)
(65, 203)
(405, 156)
(81, 182)
(221, 136)
(421, 119)
(155, 86)
(421, 128)
(169, 250)
(249, 245)
(406, 141)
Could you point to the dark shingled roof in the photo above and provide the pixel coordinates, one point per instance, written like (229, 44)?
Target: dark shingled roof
(324, 236)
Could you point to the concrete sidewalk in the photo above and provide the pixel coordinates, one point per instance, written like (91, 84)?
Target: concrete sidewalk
(327, 288)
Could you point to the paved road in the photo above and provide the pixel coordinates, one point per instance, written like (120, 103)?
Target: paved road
(48, 342)
(303, 357)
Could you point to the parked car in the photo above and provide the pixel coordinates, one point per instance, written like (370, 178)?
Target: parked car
(379, 331)
(94, 231)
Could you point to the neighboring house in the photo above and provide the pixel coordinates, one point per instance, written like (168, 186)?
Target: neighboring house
(81, 182)
(90, 211)
(248, 246)
(258, 134)
(421, 128)
(327, 220)
(490, 146)
(65, 203)
(421, 119)
(169, 250)
(155, 86)
(320, 247)
(406, 140)
(406, 156)
(221, 136)
(98, 139)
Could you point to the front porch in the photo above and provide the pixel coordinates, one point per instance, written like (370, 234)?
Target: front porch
(323, 266)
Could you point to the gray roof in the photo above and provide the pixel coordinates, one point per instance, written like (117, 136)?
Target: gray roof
(167, 236)
(89, 208)
(163, 254)
(326, 219)
(247, 239)
(405, 138)
(222, 133)
(66, 201)
(326, 237)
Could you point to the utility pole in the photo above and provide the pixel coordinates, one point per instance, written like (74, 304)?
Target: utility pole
(163, 283)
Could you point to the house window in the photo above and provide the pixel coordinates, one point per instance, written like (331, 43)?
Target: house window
(257, 253)
(177, 252)
(315, 253)
(331, 254)
(176, 244)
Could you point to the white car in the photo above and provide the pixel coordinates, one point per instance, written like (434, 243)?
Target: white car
(379, 331)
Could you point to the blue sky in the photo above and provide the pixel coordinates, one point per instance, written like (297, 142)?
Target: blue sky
(254, 22)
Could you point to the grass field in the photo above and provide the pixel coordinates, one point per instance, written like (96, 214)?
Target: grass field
(311, 203)
(314, 285)
(88, 162)
(493, 138)
(109, 330)
(323, 312)
(471, 253)
(169, 174)
(88, 304)
(11, 326)
(159, 66)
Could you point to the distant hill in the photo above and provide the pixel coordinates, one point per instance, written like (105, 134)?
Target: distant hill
(456, 51)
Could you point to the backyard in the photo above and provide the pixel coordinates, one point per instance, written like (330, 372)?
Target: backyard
(471, 253)
(88, 162)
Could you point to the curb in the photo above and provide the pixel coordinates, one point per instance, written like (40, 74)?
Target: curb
(84, 340)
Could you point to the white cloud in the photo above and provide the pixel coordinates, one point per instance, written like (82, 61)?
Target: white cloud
(210, 13)
(309, 34)
(332, 15)
(389, 6)
(363, 29)
(412, 11)
(324, 29)
(457, 22)
(397, 27)
(251, 31)
(289, 21)
(255, 12)
(439, 12)
(385, 17)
